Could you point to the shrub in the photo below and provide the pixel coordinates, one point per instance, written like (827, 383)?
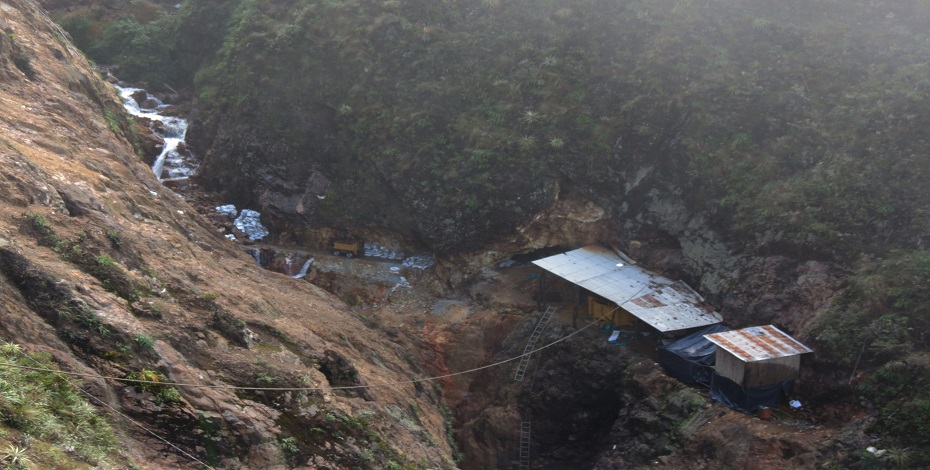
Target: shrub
(105, 261)
(144, 342)
(264, 379)
(142, 50)
(150, 382)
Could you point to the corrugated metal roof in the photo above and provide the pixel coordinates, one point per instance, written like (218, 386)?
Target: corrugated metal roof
(758, 343)
(664, 304)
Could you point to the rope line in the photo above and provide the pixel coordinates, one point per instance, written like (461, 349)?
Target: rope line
(85, 392)
(147, 430)
(343, 387)
(297, 389)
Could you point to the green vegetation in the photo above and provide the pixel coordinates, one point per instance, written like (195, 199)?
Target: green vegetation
(289, 447)
(163, 393)
(799, 128)
(113, 121)
(263, 379)
(373, 450)
(46, 406)
(16, 458)
(21, 60)
(85, 252)
(140, 40)
(879, 326)
(144, 342)
(449, 418)
(41, 227)
(760, 112)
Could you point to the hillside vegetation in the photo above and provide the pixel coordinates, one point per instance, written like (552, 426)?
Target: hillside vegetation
(796, 127)
(798, 118)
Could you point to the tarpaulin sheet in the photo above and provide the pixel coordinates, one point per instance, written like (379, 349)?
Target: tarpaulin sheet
(748, 400)
(691, 359)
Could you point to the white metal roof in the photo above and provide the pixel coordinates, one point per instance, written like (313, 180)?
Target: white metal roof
(758, 343)
(664, 304)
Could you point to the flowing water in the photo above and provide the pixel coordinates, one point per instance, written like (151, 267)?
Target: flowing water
(304, 269)
(174, 162)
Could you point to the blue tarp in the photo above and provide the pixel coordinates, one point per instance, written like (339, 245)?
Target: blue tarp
(748, 400)
(691, 359)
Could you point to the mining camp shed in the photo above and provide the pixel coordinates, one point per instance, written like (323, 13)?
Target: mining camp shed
(758, 355)
(754, 366)
(662, 303)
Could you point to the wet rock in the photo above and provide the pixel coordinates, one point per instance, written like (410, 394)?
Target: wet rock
(139, 97)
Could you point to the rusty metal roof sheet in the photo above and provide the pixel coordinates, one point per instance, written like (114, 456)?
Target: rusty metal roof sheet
(758, 343)
(664, 304)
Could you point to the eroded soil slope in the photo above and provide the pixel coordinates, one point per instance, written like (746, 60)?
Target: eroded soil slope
(115, 275)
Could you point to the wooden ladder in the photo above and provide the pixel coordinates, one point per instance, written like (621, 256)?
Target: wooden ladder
(531, 343)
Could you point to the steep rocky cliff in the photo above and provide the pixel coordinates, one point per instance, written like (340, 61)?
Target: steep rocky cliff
(105, 272)
(772, 154)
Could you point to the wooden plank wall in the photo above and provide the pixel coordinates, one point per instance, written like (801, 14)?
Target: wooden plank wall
(753, 374)
(773, 371)
(729, 366)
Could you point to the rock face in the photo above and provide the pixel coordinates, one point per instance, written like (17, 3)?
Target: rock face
(113, 274)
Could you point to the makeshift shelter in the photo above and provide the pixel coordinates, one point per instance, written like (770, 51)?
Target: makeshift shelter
(754, 366)
(623, 292)
(691, 359)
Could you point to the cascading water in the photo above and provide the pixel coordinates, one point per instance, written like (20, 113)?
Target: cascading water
(304, 270)
(175, 162)
(172, 163)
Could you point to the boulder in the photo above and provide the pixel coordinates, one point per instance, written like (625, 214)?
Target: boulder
(139, 96)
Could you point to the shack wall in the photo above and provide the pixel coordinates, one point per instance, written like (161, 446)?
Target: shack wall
(729, 366)
(754, 374)
(771, 371)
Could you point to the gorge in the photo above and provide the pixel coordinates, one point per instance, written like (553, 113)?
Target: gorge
(771, 154)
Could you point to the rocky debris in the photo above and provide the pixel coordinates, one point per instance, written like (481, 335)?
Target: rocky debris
(421, 261)
(376, 250)
(79, 200)
(249, 222)
(150, 138)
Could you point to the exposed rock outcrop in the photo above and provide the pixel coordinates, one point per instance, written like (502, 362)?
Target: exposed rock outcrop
(113, 274)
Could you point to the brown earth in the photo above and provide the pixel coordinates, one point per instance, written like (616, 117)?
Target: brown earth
(87, 228)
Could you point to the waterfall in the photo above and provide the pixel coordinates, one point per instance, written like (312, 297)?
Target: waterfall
(257, 255)
(304, 269)
(171, 163)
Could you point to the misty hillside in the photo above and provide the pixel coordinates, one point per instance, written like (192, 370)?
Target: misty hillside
(799, 118)
(754, 148)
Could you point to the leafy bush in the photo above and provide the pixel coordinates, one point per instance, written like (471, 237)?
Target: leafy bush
(144, 342)
(151, 383)
(143, 51)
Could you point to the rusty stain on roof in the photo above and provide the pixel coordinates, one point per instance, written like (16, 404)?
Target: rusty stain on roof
(758, 343)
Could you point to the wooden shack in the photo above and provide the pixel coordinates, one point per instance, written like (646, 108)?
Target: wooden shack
(758, 355)
(754, 366)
